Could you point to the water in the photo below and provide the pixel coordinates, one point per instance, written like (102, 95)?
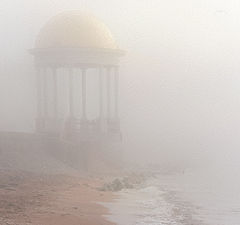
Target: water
(204, 197)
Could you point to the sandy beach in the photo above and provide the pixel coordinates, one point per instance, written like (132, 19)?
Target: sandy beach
(27, 198)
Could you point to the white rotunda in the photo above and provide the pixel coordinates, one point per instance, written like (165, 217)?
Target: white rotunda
(76, 42)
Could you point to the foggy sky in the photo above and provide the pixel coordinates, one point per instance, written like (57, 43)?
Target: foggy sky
(180, 83)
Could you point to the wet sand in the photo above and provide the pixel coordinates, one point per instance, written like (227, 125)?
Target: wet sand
(27, 198)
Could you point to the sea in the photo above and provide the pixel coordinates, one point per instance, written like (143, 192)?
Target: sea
(204, 196)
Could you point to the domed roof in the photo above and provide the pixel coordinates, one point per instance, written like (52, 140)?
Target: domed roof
(75, 29)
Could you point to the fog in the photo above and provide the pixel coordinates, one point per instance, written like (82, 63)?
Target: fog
(179, 79)
(175, 157)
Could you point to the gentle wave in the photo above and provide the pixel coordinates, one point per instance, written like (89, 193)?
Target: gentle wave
(177, 199)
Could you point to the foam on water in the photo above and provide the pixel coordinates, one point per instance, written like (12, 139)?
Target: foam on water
(180, 199)
(146, 206)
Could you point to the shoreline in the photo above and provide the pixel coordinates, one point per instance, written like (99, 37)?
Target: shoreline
(104, 199)
(33, 199)
(151, 203)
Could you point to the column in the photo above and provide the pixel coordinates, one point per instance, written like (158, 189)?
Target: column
(38, 85)
(84, 94)
(39, 122)
(70, 94)
(45, 94)
(108, 93)
(116, 82)
(55, 93)
(100, 80)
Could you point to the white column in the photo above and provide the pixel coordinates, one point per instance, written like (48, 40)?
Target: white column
(39, 121)
(108, 92)
(100, 92)
(38, 85)
(70, 94)
(55, 92)
(84, 94)
(116, 82)
(45, 93)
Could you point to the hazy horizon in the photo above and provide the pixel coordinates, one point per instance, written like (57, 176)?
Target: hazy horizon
(179, 80)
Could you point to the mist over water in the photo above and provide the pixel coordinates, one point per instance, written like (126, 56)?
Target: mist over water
(195, 197)
(179, 81)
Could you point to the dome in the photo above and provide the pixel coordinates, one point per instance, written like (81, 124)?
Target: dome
(74, 29)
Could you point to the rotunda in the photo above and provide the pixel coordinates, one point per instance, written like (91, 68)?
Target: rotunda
(76, 42)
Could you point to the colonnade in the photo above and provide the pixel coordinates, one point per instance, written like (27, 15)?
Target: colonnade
(50, 121)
